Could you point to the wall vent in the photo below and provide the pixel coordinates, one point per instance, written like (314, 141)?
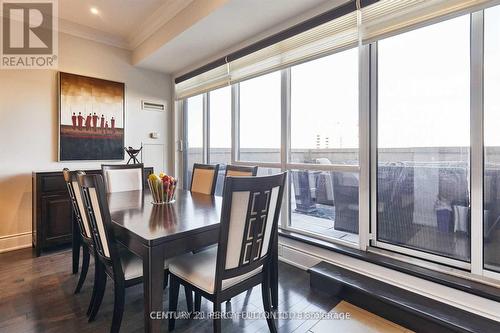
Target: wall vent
(152, 106)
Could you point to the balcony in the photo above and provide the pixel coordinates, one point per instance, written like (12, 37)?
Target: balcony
(423, 196)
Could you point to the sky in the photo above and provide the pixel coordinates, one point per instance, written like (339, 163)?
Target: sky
(423, 95)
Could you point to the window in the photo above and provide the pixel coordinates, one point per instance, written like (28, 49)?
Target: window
(325, 131)
(324, 110)
(405, 187)
(423, 147)
(193, 116)
(491, 216)
(219, 111)
(260, 119)
(325, 203)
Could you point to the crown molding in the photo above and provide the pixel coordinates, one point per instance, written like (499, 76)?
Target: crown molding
(154, 22)
(92, 34)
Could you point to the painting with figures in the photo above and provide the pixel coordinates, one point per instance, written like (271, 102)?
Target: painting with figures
(91, 118)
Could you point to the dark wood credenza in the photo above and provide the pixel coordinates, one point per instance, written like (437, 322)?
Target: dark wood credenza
(52, 219)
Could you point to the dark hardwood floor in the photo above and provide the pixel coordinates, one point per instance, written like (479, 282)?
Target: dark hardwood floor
(36, 295)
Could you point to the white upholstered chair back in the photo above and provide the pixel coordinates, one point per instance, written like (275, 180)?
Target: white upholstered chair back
(248, 215)
(250, 218)
(123, 179)
(77, 202)
(81, 208)
(99, 222)
(90, 195)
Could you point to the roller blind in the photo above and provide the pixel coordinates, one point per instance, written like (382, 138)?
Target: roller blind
(210, 80)
(321, 40)
(324, 39)
(377, 20)
(389, 17)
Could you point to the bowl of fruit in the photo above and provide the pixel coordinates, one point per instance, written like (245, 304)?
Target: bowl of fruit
(162, 188)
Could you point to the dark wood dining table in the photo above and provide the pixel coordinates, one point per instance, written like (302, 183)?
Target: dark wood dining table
(157, 232)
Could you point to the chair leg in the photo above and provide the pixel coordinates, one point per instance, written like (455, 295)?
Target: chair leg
(118, 308)
(189, 298)
(85, 269)
(173, 297)
(197, 302)
(76, 244)
(101, 288)
(217, 316)
(95, 286)
(266, 300)
(165, 280)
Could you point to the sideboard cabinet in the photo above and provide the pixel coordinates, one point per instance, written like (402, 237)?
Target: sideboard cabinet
(52, 214)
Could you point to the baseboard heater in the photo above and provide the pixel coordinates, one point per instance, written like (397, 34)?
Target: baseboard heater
(408, 309)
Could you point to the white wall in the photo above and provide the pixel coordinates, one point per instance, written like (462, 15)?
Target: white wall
(29, 118)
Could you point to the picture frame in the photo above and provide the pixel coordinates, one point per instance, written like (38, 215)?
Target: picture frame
(91, 123)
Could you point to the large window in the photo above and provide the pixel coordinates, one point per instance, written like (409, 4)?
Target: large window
(491, 225)
(391, 146)
(325, 132)
(324, 108)
(260, 119)
(193, 116)
(423, 155)
(220, 125)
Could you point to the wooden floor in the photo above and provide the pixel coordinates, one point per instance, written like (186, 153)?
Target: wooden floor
(36, 295)
(360, 321)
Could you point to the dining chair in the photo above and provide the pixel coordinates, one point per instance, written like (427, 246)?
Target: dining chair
(84, 228)
(235, 171)
(123, 177)
(87, 241)
(241, 171)
(113, 261)
(204, 178)
(243, 257)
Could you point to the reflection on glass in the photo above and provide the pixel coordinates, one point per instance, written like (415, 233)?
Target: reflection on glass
(260, 118)
(194, 127)
(492, 139)
(325, 203)
(324, 110)
(423, 139)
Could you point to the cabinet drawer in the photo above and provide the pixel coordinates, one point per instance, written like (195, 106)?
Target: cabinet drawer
(52, 183)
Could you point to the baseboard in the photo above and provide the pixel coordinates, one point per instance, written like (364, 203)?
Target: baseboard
(15, 242)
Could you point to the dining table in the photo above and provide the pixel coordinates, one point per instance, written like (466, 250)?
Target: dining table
(155, 232)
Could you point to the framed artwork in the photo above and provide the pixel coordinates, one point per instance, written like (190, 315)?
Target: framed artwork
(91, 118)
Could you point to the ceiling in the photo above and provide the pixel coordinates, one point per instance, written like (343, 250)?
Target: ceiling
(116, 17)
(118, 22)
(199, 30)
(228, 28)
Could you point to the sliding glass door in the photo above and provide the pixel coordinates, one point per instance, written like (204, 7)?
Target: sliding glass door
(324, 141)
(423, 141)
(219, 143)
(193, 132)
(260, 119)
(491, 224)
(392, 146)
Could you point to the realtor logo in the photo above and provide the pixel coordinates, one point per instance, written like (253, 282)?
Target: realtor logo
(29, 34)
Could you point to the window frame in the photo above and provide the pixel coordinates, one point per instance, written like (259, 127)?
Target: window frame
(367, 165)
(399, 249)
